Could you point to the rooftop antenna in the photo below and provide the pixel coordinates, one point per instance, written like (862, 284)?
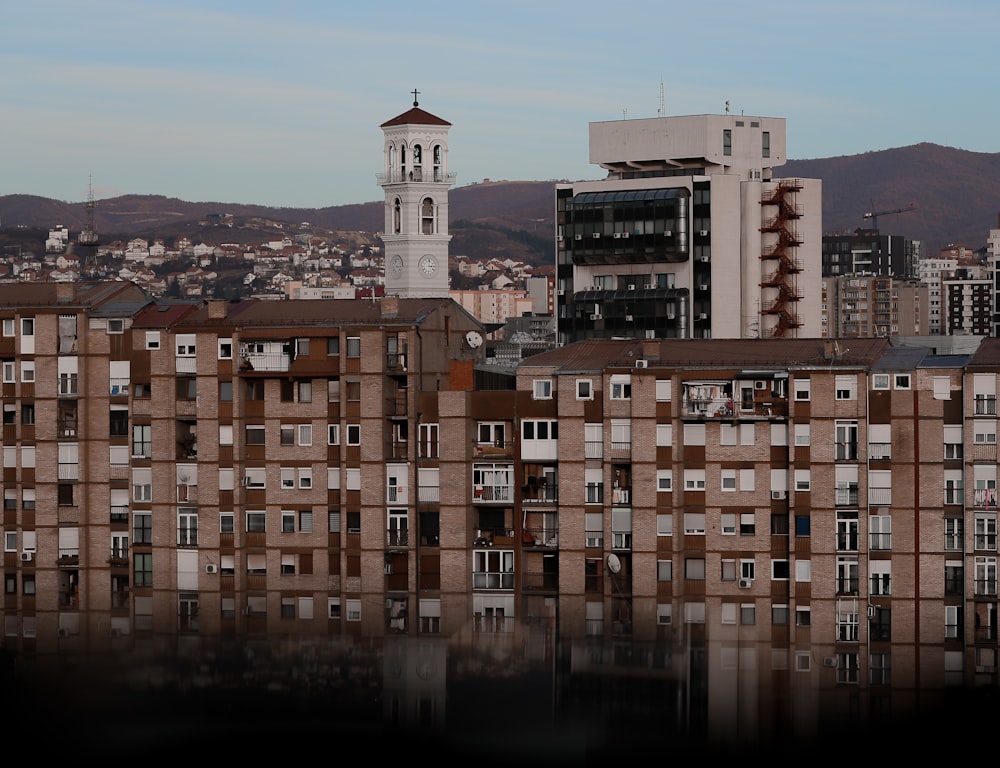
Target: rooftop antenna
(625, 114)
(727, 106)
(88, 235)
(662, 111)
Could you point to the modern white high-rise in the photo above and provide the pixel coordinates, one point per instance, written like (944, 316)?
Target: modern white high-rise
(689, 235)
(416, 180)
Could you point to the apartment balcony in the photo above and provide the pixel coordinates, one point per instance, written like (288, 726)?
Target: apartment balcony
(493, 581)
(539, 538)
(621, 450)
(492, 493)
(984, 498)
(494, 537)
(119, 387)
(119, 513)
(621, 496)
(119, 472)
(985, 587)
(846, 494)
(879, 496)
(540, 493)
(593, 449)
(397, 538)
(879, 451)
(119, 558)
(496, 448)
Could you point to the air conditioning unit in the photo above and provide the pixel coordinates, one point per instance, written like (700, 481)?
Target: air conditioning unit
(760, 385)
(631, 286)
(560, 292)
(27, 556)
(705, 258)
(618, 235)
(703, 232)
(829, 661)
(579, 237)
(703, 316)
(872, 610)
(668, 233)
(628, 318)
(778, 494)
(596, 316)
(211, 568)
(702, 287)
(745, 583)
(559, 238)
(626, 235)
(596, 235)
(642, 363)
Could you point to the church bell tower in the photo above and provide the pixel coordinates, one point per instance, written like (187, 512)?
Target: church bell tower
(416, 183)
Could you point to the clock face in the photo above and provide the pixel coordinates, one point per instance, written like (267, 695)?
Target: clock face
(473, 339)
(396, 265)
(428, 266)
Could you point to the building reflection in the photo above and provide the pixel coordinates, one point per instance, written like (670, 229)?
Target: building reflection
(707, 687)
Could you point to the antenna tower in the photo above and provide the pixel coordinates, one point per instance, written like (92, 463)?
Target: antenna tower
(662, 111)
(89, 234)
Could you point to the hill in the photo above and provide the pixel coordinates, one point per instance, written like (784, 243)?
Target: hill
(953, 193)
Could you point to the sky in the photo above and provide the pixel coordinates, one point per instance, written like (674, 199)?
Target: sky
(280, 103)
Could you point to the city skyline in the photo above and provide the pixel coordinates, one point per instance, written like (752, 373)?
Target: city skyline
(246, 104)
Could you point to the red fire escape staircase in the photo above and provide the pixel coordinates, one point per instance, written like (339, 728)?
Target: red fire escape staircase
(782, 277)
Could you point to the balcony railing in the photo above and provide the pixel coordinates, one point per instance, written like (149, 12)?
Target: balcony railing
(395, 537)
(492, 580)
(846, 494)
(985, 587)
(490, 537)
(593, 449)
(119, 513)
(489, 493)
(621, 450)
(985, 498)
(880, 496)
(879, 451)
(539, 537)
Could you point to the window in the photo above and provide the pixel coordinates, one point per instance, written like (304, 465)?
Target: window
(225, 349)
(287, 526)
(142, 528)
(187, 527)
(728, 524)
(353, 609)
(429, 441)
(880, 381)
(748, 569)
(186, 345)
(142, 441)
(694, 568)
(727, 142)
(305, 434)
(953, 534)
(253, 389)
(880, 577)
(803, 479)
(542, 389)
(286, 434)
(663, 390)
(694, 523)
(664, 570)
(664, 524)
(8, 326)
(256, 521)
(728, 570)
(728, 477)
(664, 481)
(802, 389)
(621, 387)
(255, 434)
(354, 434)
(802, 434)
(333, 346)
(584, 389)
(227, 522)
(664, 435)
(901, 381)
(694, 479)
(985, 536)
(305, 391)
(803, 570)
(780, 570)
(880, 532)
(333, 434)
(354, 351)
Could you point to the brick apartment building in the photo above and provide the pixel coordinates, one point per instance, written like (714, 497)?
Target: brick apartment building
(810, 522)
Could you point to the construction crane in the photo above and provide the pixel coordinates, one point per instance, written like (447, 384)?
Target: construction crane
(873, 214)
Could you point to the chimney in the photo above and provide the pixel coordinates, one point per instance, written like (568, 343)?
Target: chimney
(217, 309)
(65, 292)
(390, 306)
(651, 349)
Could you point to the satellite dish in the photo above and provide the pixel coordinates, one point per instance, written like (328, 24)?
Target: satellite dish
(614, 564)
(521, 337)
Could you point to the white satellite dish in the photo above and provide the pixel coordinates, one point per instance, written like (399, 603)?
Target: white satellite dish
(614, 564)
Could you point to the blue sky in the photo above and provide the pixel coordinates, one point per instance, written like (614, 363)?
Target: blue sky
(280, 103)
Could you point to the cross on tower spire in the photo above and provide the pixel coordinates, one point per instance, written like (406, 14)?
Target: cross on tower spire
(415, 92)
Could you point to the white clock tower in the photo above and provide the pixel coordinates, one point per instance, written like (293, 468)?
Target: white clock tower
(416, 183)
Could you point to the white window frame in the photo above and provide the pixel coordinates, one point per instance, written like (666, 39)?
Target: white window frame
(584, 389)
(664, 390)
(541, 389)
(664, 480)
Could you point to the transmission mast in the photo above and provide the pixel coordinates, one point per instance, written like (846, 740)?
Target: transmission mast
(88, 239)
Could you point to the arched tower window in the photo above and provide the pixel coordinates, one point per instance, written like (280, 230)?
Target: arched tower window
(417, 170)
(397, 216)
(392, 163)
(438, 156)
(428, 216)
(402, 163)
